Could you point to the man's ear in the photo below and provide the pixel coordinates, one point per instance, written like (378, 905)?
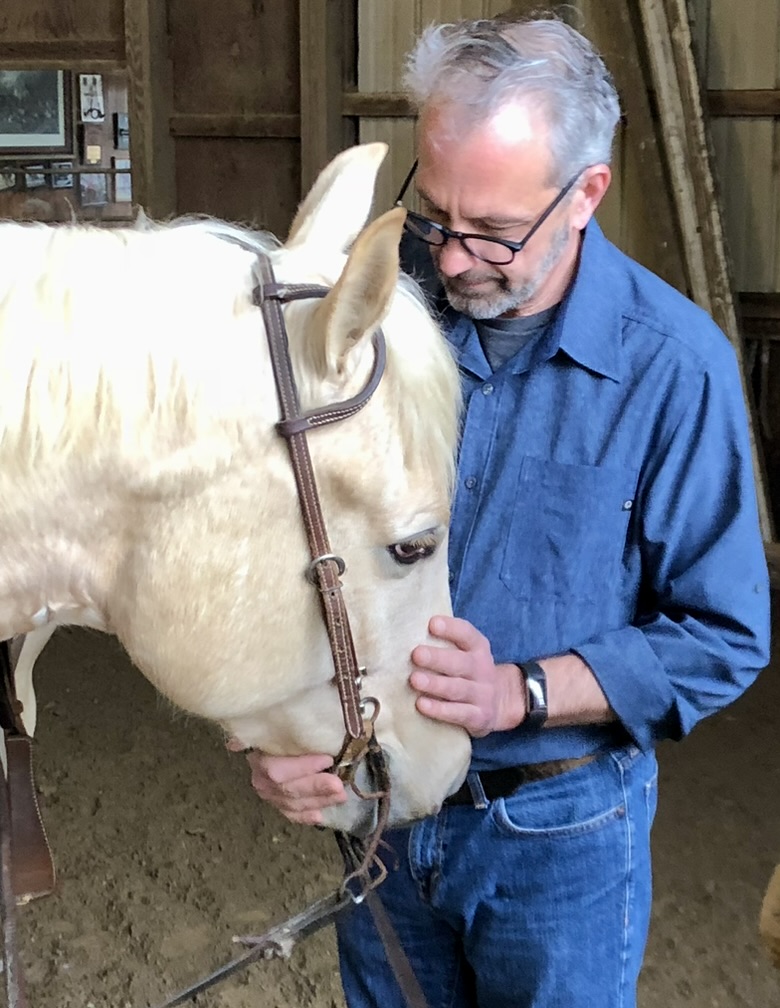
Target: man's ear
(590, 192)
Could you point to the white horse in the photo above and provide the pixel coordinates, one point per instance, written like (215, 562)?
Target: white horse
(144, 490)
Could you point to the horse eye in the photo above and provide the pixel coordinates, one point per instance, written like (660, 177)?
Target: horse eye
(411, 550)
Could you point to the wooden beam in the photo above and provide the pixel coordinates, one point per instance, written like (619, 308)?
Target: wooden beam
(376, 105)
(150, 99)
(62, 54)
(745, 104)
(261, 126)
(670, 53)
(326, 55)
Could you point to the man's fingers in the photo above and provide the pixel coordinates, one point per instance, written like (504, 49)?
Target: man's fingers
(282, 769)
(460, 632)
(296, 785)
(445, 687)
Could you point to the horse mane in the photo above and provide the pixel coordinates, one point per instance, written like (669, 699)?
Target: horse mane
(142, 334)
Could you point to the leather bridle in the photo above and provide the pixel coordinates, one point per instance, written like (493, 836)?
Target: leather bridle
(325, 568)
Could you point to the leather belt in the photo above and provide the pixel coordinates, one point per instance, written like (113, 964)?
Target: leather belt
(505, 781)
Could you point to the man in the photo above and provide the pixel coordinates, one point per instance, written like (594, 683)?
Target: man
(608, 575)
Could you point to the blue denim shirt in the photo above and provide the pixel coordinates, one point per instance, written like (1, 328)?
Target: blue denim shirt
(605, 505)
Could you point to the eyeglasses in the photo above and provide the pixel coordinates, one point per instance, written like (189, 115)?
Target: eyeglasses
(496, 251)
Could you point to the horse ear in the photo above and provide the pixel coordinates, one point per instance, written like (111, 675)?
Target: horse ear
(339, 202)
(361, 297)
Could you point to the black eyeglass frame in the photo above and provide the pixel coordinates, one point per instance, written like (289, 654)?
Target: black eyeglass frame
(463, 236)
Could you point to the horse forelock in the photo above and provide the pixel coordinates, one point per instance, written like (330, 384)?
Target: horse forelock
(130, 334)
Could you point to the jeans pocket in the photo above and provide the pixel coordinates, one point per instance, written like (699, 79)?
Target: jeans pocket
(567, 529)
(580, 801)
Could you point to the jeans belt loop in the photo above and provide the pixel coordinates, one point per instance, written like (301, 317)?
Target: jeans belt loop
(478, 796)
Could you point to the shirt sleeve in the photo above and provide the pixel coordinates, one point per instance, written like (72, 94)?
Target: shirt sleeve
(701, 633)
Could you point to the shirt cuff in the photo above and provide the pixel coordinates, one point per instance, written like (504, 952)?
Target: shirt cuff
(635, 684)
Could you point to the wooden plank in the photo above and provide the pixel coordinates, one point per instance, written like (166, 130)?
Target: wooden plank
(744, 102)
(323, 72)
(149, 107)
(91, 55)
(212, 125)
(699, 13)
(384, 105)
(252, 182)
(61, 22)
(445, 11)
(760, 305)
(647, 215)
(386, 33)
(743, 45)
(678, 93)
(743, 152)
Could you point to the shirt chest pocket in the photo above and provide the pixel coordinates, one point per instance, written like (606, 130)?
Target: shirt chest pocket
(567, 530)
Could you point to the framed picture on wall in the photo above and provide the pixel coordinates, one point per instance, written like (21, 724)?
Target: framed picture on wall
(62, 174)
(123, 189)
(34, 177)
(36, 112)
(93, 189)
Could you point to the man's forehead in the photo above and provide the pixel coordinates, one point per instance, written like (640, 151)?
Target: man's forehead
(445, 122)
(508, 152)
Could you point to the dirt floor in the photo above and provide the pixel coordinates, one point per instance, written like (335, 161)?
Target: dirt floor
(164, 853)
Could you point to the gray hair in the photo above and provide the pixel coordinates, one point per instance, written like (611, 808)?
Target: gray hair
(481, 66)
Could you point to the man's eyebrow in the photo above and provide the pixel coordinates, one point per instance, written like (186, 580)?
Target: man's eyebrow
(486, 222)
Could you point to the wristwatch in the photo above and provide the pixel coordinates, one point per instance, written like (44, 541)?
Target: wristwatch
(535, 694)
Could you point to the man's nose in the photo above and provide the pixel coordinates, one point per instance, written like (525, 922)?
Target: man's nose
(453, 259)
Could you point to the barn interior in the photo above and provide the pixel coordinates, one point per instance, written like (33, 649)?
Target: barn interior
(162, 850)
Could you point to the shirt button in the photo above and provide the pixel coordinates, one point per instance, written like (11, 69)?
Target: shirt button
(470, 483)
(627, 505)
(487, 389)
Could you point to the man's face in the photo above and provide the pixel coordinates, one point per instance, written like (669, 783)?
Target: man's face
(494, 180)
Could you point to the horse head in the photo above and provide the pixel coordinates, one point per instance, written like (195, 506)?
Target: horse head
(145, 489)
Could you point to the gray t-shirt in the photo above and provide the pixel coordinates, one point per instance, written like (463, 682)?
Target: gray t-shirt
(502, 338)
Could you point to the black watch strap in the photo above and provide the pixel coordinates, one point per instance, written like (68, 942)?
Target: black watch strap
(535, 693)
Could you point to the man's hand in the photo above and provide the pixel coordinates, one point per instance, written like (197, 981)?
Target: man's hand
(296, 785)
(463, 685)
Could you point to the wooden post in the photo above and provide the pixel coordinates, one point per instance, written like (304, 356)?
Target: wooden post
(684, 132)
(326, 71)
(150, 100)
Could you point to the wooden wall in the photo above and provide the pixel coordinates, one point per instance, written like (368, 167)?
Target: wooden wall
(235, 107)
(738, 51)
(228, 103)
(630, 215)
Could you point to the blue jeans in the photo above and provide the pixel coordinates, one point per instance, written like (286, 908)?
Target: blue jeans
(541, 900)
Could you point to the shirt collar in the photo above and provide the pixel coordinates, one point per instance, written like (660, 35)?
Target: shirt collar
(587, 326)
(589, 322)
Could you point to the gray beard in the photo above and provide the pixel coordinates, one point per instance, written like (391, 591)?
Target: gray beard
(507, 297)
